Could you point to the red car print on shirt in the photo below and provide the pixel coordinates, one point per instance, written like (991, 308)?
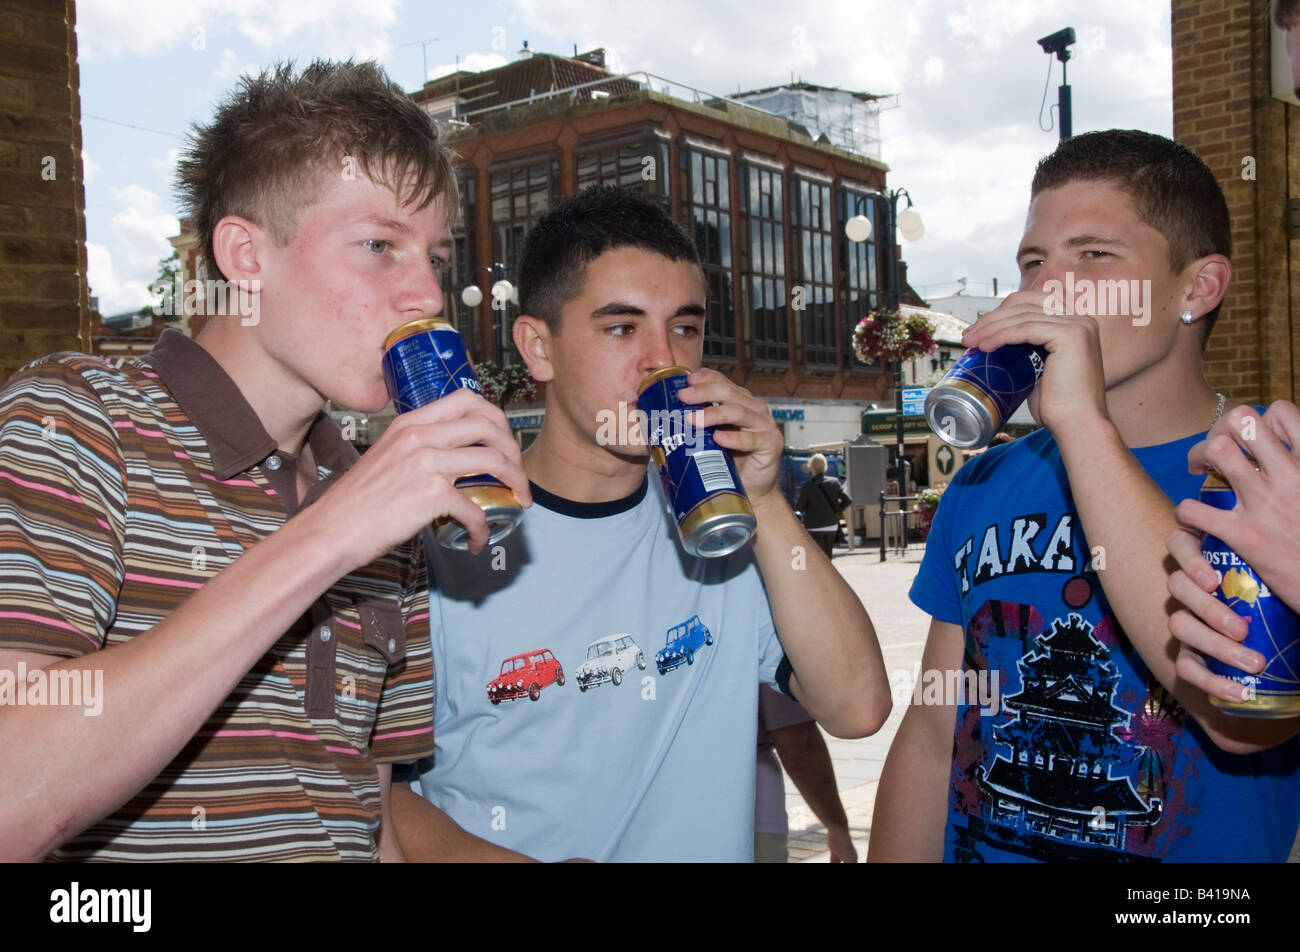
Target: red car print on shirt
(525, 674)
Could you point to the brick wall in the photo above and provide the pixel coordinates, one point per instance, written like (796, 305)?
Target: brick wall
(1223, 110)
(44, 303)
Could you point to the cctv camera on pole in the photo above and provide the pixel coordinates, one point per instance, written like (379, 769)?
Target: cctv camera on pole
(1059, 43)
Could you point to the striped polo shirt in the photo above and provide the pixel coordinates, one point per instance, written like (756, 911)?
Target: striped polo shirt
(125, 485)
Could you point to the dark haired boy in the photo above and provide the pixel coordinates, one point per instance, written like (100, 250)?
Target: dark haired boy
(1045, 567)
(165, 530)
(593, 742)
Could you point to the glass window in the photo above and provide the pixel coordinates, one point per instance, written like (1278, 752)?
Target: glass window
(521, 194)
(859, 286)
(815, 322)
(461, 273)
(638, 164)
(708, 218)
(763, 215)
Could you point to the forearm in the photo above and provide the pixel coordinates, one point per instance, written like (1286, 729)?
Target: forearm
(910, 814)
(427, 835)
(64, 771)
(824, 628)
(807, 760)
(1126, 519)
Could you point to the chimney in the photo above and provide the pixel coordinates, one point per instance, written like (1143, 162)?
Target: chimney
(525, 53)
(995, 287)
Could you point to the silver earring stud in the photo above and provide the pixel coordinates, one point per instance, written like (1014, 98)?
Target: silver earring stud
(1188, 317)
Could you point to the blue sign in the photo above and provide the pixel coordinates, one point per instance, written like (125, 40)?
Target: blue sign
(914, 400)
(787, 414)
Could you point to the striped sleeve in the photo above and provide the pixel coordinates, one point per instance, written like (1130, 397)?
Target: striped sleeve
(404, 721)
(62, 512)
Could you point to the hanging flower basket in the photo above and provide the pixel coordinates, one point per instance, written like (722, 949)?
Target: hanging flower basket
(888, 337)
(514, 384)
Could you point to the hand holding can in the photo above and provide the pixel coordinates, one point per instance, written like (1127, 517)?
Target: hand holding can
(425, 360)
(713, 514)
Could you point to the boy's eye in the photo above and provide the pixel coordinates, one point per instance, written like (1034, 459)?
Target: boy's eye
(1030, 263)
(441, 270)
(619, 330)
(377, 245)
(687, 330)
(1096, 255)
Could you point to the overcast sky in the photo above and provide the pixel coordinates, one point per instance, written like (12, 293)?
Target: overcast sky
(963, 140)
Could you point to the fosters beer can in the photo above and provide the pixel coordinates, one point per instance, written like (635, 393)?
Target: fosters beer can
(981, 391)
(423, 361)
(713, 514)
(1274, 631)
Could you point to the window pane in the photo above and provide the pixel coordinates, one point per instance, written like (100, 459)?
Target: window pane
(587, 176)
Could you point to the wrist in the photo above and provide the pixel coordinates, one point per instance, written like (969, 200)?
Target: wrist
(769, 504)
(1087, 433)
(318, 544)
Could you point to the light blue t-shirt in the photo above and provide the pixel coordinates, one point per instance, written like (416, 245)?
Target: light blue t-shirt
(624, 682)
(1070, 749)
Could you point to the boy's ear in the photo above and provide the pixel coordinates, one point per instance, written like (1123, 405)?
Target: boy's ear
(1209, 282)
(236, 247)
(532, 337)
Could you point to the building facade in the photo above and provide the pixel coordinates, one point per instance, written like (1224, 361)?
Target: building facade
(764, 200)
(1223, 110)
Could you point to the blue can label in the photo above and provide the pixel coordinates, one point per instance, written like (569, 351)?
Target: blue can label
(1274, 629)
(426, 366)
(1006, 375)
(693, 467)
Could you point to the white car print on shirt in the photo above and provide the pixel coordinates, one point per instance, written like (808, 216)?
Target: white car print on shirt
(607, 660)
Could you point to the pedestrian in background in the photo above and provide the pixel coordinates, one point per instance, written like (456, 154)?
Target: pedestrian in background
(821, 501)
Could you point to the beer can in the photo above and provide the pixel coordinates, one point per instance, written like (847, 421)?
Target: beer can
(979, 393)
(1274, 629)
(425, 360)
(714, 517)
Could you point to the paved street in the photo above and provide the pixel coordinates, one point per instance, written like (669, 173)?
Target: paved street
(902, 628)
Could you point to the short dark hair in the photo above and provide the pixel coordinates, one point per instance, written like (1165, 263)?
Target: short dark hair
(1286, 13)
(581, 229)
(1172, 189)
(277, 133)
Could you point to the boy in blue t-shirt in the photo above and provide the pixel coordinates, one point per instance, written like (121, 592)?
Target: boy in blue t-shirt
(596, 686)
(1052, 724)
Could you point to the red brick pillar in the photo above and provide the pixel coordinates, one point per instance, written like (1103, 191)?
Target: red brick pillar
(1223, 111)
(44, 302)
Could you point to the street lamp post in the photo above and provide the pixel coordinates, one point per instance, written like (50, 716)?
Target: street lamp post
(910, 226)
(503, 293)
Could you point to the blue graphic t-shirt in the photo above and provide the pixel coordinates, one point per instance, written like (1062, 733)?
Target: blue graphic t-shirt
(597, 688)
(1068, 748)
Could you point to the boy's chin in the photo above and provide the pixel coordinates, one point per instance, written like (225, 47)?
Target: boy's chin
(368, 403)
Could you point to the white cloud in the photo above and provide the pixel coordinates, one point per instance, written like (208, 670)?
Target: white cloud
(933, 70)
(331, 28)
(232, 66)
(89, 168)
(139, 227)
(474, 62)
(165, 165)
(114, 293)
(969, 75)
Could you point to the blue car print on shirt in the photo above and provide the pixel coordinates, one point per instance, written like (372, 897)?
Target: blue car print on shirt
(683, 641)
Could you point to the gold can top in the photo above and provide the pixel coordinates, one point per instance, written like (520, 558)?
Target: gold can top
(416, 327)
(662, 373)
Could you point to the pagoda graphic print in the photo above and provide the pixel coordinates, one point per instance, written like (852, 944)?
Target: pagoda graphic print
(1056, 797)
